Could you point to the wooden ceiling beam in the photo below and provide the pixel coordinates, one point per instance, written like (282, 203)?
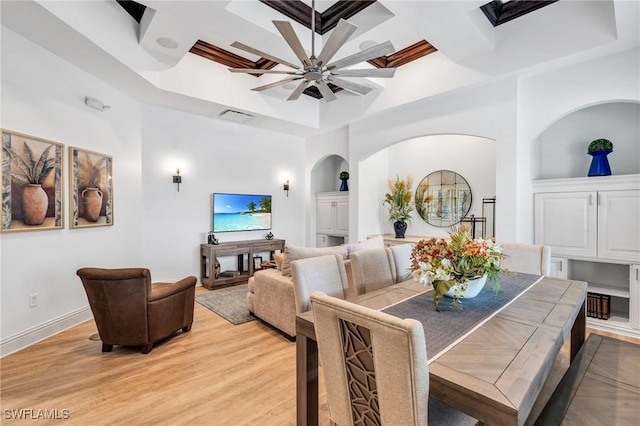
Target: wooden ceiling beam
(343, 9)
(498, 12)
(216, 54)
(325, 21)
(404, 56)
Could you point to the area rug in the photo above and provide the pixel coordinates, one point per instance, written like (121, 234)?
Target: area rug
(230, 303)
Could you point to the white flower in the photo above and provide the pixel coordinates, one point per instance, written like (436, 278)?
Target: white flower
(445, 262)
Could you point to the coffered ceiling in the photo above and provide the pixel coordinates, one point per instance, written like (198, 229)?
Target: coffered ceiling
(176, 54)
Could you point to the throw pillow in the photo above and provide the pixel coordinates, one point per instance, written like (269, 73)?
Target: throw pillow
(369, 244)
(292, 253)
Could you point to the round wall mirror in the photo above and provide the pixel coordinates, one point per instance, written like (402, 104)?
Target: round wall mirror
(443, 198)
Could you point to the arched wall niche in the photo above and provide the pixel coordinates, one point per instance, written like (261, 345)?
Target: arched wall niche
(325, 173)
(560, 151)
(473, 157)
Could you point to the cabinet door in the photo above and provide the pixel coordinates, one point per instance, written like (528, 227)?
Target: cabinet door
(559, 267)
(634, 297)
(619, 225)
(567, 221)
(342, 217)
(325, 217)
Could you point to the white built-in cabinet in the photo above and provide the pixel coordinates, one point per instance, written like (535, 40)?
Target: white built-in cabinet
(593, 227)
(332, 218)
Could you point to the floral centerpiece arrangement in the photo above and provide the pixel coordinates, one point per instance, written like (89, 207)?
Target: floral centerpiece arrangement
(398, 200)
(454, 262)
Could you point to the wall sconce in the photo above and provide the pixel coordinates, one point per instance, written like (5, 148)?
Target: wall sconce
(177, 178)
(286, 187)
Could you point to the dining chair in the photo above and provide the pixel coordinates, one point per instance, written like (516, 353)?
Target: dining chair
(375, 367)
(400, 260)
(371, 270)
(527, 258)
(131, 310)
(323, 273)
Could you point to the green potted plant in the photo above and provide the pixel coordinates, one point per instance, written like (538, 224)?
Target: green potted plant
(399, 201)
(89, 182)
(33, 173)
(599, 149)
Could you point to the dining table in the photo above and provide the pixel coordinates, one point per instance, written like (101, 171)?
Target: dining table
(488, 358)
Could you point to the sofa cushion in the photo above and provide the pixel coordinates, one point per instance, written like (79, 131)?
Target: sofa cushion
(292, 253)
(369, 244)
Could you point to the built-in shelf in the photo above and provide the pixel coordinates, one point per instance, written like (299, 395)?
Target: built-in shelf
(611, 291)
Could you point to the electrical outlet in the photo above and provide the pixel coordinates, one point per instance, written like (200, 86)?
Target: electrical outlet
(33, 300)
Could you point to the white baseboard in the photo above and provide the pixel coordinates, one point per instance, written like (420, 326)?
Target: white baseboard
(43, 331)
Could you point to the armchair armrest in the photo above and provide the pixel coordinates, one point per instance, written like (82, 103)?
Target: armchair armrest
(161, 290)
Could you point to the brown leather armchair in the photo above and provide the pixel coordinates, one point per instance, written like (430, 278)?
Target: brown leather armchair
(131, 310)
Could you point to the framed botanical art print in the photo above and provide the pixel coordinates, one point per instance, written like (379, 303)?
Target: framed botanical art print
(31, 176)
(91, 185)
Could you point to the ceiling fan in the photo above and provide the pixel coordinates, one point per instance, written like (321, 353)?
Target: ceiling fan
(316, 70)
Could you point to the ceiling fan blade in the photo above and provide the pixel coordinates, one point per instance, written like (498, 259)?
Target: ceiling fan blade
(338, 37)
(276, 84)
(370, 53)
(259, 71)
(325, 91)
(358, 88)
(265, 55)
(289, 35)
(374, 73)
(296, 93)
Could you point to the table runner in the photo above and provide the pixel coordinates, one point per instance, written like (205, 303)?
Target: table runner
(442, 329)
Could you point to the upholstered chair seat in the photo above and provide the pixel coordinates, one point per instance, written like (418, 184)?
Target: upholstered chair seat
(527, 258)
(324, 273)
(400, 261)
(375, 367)
(131, 310)
(372, 270)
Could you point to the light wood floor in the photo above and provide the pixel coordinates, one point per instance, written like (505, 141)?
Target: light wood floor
(217, 374)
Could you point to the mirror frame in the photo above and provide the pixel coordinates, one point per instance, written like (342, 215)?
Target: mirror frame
(443, 198)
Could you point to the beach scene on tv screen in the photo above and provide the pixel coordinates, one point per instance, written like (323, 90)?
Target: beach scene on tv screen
(241, 212)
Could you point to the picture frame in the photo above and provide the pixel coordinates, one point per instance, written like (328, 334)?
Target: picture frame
(257, 263)
(91, 188)
(32, 187)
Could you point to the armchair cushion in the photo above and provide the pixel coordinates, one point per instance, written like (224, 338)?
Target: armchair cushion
(131, 310)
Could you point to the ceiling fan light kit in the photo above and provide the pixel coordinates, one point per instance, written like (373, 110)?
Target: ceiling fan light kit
(315, 70)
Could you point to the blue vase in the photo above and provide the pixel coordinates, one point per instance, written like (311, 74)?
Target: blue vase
(343, 185)
(400, 228)
(599, 164)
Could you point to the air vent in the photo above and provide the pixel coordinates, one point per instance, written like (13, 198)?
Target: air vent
(235, 116)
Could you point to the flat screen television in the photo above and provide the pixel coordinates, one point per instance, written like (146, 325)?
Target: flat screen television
(241, 212)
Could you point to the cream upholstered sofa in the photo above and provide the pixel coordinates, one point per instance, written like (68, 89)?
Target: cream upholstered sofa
(270, 296)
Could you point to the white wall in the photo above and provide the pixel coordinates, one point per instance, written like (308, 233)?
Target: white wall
(471, 157)
(562, 148)
(213, 156)
(486, 110)
(548, 97)
(325, 157)
(513, 112)
(43, 96)
(155, 226)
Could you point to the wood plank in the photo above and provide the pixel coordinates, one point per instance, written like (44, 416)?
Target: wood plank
(523, 379)
(602, 386)
(218, 374)
(456, 391)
